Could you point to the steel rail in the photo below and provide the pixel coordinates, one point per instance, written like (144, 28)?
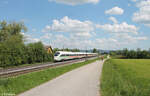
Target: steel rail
(23, 70)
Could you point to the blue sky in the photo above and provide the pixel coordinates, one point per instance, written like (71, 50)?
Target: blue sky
(84, 24)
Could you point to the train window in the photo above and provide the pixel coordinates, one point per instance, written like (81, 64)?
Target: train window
(67, 54)
(56, 54)
(63, 55)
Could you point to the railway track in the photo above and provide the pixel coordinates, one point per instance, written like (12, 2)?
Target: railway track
(22, 70)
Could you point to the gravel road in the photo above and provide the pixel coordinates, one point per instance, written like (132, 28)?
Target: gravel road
(83, 81)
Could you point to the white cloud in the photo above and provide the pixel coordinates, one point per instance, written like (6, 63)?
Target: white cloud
(34, 40)
(113, 19)
(101, 43)
(23, 33)
(46, 36)
(115, 11)
(143, 14)
(108, 43)
(24, 20)
(60, 41)
(129, 4)
(34, 30)
(119, 36)
(123, 34)
(114, 42)
(30, 39)
(75, 2)
(143, 3)
(75, 27)
(129, 39)
(119, 28)
(47, 28)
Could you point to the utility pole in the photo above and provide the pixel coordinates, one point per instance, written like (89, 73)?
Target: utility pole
(63, 47)
(86, 54)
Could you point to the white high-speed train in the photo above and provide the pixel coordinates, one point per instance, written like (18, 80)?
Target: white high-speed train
(64, 55)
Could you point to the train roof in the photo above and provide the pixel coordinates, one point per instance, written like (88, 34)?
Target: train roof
(67, 52)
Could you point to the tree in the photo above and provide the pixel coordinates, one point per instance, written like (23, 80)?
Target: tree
(149, 50)
(118, 52)
(139, 55)
(12, 45)
(144, 54)
(113, 53)
(75, 50)
(11, 29)
(94, 50)
(125, 52)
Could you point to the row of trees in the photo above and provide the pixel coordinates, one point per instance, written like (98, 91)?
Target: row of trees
(133, 54)
(74, 50)
(66, 49)
(13, 50)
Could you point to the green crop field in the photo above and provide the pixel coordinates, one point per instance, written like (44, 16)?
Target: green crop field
(126, 77)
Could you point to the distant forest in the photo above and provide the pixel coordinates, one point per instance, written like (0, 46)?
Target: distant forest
(132, 54)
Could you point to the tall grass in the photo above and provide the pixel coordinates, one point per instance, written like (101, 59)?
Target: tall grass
(122, 77)
(25, 82)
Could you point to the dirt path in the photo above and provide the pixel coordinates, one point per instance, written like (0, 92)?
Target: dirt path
(83, 81)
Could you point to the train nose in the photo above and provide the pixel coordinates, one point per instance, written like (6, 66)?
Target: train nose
(56, 58)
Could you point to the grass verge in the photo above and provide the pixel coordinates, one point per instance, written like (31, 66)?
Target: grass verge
(16, 85)
(126, 77)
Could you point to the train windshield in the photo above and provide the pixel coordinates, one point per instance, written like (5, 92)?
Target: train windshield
(56, 54)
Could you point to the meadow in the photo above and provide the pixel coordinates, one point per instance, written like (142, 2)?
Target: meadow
(126, 77)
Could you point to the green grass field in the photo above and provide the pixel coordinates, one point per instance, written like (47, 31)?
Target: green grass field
(25, 82)
(126, 77)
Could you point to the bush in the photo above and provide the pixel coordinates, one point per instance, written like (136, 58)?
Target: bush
(37, 53)
(19, 54)
(14, 52)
